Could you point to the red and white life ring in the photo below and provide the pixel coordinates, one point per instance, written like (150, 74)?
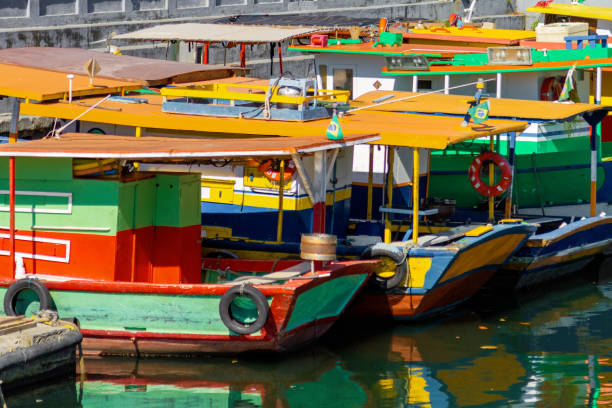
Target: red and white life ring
(551, 89)
(272, 174)
(482, 187)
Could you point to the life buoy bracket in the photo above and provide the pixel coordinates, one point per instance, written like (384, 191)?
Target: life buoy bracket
(233, 323)
(13, 291)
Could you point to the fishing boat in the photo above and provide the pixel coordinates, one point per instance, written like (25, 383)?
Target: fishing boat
(121, 250)
(564, 243)
(449, 272)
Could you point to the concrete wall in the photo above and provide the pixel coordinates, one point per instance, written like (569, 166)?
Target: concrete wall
(31, 13)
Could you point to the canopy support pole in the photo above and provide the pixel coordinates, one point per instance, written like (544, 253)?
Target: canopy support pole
(499, 85)
(281, 193)
(304, 177)
(13, 129)
(491, 181)
(12, 214)
(415, 194)
(370, 183)
(593, 195)
(446, 84)
(415, 83)
(242, 55)
(205, 57)
(390, 163)
(320, 177)
(511, 158)
(280, 59)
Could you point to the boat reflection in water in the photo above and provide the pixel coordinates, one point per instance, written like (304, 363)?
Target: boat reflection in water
(544, 349)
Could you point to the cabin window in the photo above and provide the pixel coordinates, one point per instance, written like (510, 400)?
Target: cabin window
(343, 79)
(424, 84)
(323, 73)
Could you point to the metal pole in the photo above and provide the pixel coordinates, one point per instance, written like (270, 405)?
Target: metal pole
(281, 192)
(370, 183)
(415, 195)
(14, 125)
(242, 55)
(390, 162)
(491, 181)
(415, 83)
(206, 53)
(12, 214)
(499, 85)
(511, 158)
(280, 59)
(320, 179)
(446, 84)
(594, 146)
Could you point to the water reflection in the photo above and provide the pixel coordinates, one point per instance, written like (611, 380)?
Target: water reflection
(544, 349)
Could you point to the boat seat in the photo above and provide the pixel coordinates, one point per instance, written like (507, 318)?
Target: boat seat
(543, 220)
(444, 236)
(284, 275)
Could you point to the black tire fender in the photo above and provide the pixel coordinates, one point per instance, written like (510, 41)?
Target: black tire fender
(258, 298)
(395, 254)
(10, 297)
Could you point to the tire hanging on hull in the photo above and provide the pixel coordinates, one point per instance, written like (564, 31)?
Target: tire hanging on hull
(393, 268)
(233, 323)
(11, 295)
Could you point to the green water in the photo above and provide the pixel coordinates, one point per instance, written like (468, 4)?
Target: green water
(550, 348)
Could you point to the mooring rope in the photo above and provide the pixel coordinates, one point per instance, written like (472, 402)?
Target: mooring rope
(57, 132)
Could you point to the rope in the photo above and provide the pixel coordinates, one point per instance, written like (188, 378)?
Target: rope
(416, 96)
(57, 132)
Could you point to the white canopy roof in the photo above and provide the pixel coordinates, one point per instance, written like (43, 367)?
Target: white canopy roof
(217, 32)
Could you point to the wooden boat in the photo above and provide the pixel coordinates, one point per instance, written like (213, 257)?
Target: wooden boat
(558, 249)
(36, 348)
(122, 252)
(413, 135)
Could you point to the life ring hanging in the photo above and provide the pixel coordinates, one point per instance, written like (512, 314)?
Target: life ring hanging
(482, 187)
(551, 89)
(235, 324)
(13, 291)
(272, 172)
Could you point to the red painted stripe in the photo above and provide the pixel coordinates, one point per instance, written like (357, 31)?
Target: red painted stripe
(289, 287)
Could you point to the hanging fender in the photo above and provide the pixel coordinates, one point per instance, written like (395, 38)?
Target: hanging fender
(393, 266)
(13, 291)
(476, 180)
(232, 322)
(268, 170)
(551, 89)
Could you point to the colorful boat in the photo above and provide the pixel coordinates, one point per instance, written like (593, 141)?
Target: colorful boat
(121, 252)
(559, 247)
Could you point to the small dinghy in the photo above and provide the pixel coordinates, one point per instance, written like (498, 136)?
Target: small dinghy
(36, 348)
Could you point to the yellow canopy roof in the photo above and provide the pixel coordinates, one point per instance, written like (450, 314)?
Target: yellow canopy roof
(458, 104)
(395, 129)
(575, 10)
(41, 85)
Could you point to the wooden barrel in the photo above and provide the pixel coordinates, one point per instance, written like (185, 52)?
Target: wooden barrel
(318, 247)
